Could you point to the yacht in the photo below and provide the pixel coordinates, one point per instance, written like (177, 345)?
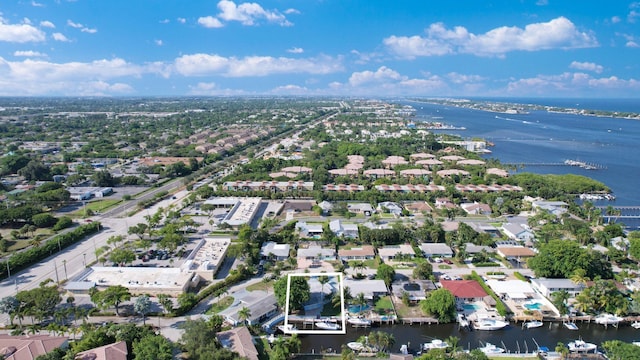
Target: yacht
(571, 325)
(355, 346)
(356, 322)
(533, 324)
(489, 349)
(608, 319)
(581, 346)
(490, 324)
(434, 344)
(323, 325)
(287, 328)
(404, 349)
(635, 325)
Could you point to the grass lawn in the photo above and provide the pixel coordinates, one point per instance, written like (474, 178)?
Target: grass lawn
(216, 307)
(383, 305)
(268, 286)
(330, 310)
(101, 205)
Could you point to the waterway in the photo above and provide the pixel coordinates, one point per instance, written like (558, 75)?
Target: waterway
(537, 137)
(543, 137)
(513, 338)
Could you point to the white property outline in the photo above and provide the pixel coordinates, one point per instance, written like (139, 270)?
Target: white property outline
(343, 329)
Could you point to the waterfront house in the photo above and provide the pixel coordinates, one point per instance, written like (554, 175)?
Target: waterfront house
(240, 341)
(390, 252)
(262, 306)
(465, 290)
(366, 252)
(272, 251)
(432, 250)
(369, 288)
(416, 290)
(548, 286)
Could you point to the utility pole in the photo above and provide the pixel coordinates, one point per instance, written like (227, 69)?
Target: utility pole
(55, 266)
(64, 264)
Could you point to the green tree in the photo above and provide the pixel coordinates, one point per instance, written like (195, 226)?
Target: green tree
(618, 350)
(423, 271)
(440, 303)
(561, 258)
(142, 306)
(9, 305)
(103, 179)
(559, 300)
(244, 314)
(165, 301)
(386, 273)
(153, 347)
(111, 296)
(299, 292)
(122, 256)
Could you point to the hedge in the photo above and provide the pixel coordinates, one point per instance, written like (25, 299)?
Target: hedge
(500, 307)
(23, 259)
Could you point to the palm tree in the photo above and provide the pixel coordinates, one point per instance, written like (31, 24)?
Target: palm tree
(323, 280)
(560, 300)
(244, 314)
(454, 343)
(580, 277)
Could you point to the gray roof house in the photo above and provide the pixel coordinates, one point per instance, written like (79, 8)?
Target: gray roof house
(436, 250)
(261, 304)
(346, 230)
(315, 251)
(517, 232)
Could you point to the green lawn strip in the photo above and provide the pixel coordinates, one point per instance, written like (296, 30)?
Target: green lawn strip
(220, 305)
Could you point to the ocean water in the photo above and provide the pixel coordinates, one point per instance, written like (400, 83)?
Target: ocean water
(542, 137)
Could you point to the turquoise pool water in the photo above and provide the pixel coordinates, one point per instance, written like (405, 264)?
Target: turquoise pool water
(470, 307)
(354, 309)
(533, 306)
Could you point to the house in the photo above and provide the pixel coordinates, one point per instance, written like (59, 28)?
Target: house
(261, 305)
(517, 232)
(344, 230)
(390, 207)
(298, 206)
(431, 250)
(548, 286)
(369, 288)
(556, 208)
(416, 290)
(467, 290)
(308, 230)
(29, 347)
(316, 252)
(390, 252)
(360, 208)
(472, 249)
(271, 250)
(516, 253)
(366, 252)
(485, 228)
(115, 351)
(240, 341)
(326, 207)
(476, 208)
(444, 203)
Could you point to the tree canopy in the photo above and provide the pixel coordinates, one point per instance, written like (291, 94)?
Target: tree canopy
(561, 258)
(299, 292)
(440, 303)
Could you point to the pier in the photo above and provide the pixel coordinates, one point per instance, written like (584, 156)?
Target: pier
(580, 164)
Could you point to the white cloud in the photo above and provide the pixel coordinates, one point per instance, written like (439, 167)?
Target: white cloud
(47, 24)
(290, 90)
(36, 4)
(39, 77)
(457, 78)
(212, 64)
(60, 37)
(29, 53)
(165, 21)
(158, 42)
(631, 44)
(587, 66)
(630, 40)
(249, 13)
(292, 11)
(570, 83)
(633, 13)
(81, 27)
(212, 89)
(389, 82)
(20, 33)
(615, 19)
(181, 20)
(383, 74)
(295, 50)
(542, 2)
(559, 33)
(210, 22)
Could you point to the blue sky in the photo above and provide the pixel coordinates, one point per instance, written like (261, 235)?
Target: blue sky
(505, 48)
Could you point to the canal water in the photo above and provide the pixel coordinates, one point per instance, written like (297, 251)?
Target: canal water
(513, 338)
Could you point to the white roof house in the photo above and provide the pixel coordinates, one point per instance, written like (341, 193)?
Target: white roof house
(369, 288)
(548, 286)
(390, 252)
(309, 230)
(361, 208)
(513, 289)
(316, 251)
(392, 207)
(517, 232)
(277, 251)
(436, 250)
(346, 230)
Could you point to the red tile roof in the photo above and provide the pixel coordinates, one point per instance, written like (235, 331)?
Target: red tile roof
(464, 289)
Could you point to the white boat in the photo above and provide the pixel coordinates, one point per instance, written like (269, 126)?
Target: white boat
(288, 328)
(635, 325)
(404, 350)
(323, 325)
(359, 321)
(355, 346)
(533, 324)
(434, 344)
(490, 324)
(608, 319)
(489, 348)
(571, 325)
(581, 346)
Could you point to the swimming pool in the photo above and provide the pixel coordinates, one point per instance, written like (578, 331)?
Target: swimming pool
(355, 309)
(471, 307)
(532, 306)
